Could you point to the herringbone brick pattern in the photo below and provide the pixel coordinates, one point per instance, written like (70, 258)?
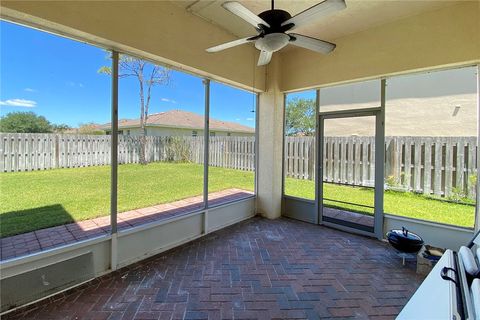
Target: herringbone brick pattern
(257, 269)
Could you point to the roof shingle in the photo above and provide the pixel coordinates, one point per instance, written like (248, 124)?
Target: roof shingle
(182, 119)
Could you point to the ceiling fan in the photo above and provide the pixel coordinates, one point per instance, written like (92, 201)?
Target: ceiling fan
(272, 26)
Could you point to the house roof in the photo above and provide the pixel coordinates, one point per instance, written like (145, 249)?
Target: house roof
(184, 120)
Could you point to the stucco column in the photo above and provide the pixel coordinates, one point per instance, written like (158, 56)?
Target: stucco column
(270, 131)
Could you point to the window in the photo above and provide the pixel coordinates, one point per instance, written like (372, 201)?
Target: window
(431, 139)
(299, 147)
(231, 158)
(64, 177)
(159, 165)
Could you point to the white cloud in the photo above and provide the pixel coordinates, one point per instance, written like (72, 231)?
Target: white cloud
(168, 100)
(250, 119)
(19, 103)
(238, 119)
(30, 90)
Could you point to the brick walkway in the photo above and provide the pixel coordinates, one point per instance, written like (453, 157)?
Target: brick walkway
(48, 238)
(256, 269)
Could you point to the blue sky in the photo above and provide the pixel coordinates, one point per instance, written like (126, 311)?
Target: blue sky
(57, 78)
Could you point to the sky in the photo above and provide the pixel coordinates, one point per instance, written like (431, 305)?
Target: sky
(58, 78)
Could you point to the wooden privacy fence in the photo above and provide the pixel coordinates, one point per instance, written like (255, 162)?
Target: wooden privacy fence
(443, 166)
(33, 151)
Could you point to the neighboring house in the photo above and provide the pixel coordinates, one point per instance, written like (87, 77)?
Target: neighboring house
(450, 115)
(180, 123)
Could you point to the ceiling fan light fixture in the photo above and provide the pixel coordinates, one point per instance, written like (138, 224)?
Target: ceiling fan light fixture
(272, 42)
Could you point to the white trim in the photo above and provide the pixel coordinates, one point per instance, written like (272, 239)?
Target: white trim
(428, 223)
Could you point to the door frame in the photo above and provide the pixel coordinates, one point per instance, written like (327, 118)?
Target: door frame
(379, 114)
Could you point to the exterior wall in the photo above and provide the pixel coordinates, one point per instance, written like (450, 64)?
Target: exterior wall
(165, 132)
(445, 37)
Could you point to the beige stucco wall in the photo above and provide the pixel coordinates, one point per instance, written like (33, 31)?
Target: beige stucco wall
(448, 36)
(270, 136)
(159, 30)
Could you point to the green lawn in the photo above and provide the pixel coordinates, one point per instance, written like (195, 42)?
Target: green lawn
(397, 203)
(41, 199)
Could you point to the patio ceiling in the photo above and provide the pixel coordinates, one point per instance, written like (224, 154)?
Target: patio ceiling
(374, 38)
(358, 16)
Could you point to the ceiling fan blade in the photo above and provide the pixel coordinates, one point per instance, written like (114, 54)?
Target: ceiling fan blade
(318, 11)
(230, 44)
(265, 57)
(247, 15)
(312, 43)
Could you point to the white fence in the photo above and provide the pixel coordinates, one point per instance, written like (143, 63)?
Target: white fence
(443, 166)
(32, 151)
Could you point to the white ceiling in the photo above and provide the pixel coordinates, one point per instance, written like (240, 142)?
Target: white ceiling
(359, 14)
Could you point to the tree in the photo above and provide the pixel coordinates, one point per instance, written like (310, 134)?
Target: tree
(148, 76)
(25, 122)
(60, 128)
(90, 129)
(300, 117)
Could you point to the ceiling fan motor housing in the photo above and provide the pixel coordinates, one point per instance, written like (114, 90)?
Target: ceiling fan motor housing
(274, 18)
(273, 38)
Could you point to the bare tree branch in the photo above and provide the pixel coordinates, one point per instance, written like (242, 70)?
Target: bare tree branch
(135, 67)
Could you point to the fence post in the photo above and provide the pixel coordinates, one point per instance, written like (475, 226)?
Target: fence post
(57, 152)
(390, 157)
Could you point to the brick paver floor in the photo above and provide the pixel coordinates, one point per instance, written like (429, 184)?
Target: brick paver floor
(48, 238)
(256, 269)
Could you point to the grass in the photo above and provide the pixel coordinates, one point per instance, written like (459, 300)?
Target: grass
(40, 199)
(397, 203)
